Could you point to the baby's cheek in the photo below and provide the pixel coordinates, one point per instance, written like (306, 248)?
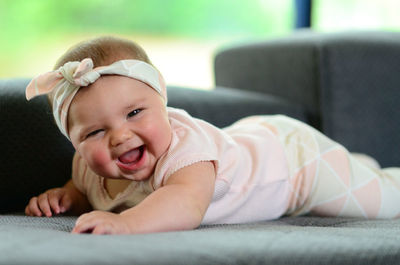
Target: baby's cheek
(100, 160)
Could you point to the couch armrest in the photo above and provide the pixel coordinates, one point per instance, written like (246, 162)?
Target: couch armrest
(360, 93)
(348, 83)
(35, 155)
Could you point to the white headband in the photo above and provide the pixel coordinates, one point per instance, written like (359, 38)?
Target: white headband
(66, 81)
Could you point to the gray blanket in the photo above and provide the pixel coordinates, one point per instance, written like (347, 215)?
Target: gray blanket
(300, 240)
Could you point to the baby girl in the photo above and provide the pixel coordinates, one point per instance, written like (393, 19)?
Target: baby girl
(142, 167)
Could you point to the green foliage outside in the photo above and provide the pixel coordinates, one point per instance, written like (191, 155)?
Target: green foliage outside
(32, 31)
(35, 26)
(187, 17)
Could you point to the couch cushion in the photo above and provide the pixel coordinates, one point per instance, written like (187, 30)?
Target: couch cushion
(360, 93)
(300, 240)
(348, 83)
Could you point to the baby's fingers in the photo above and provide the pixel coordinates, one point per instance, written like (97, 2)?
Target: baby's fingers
(84, 225)
(88, 222)
(32, 209)
(65, 203)
(103, 229)
(54, 197)
(44, 204)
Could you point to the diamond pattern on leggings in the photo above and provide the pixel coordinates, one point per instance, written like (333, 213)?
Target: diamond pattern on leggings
(326, 179)
(369, 198)
(352, 208)
(339, 163)
(354, 191)
(330, 208)
(301, 185)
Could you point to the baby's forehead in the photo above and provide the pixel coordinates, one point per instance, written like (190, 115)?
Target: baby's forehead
(110, 94)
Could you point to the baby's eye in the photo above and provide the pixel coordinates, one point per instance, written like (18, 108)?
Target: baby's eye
(93, 133)
(133, 113)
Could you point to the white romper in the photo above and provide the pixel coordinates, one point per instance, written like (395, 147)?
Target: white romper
(266, 167)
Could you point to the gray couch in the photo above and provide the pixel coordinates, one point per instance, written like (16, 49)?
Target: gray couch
(346, 85)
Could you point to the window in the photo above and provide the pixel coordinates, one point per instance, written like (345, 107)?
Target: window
(342, 15)
(180, 36)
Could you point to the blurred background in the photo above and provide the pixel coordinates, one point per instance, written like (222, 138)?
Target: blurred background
(180, 36)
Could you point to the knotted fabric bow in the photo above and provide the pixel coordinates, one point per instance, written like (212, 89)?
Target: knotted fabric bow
(65, 82)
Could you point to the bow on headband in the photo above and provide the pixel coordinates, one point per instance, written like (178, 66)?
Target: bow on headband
(66, 81)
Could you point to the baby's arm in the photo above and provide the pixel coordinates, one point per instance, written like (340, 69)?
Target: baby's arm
(179, 205)
(58, 200)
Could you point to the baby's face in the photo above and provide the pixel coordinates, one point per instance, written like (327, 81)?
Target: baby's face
(120, 127)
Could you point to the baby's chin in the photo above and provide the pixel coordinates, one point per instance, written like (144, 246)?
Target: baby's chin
(134, 177)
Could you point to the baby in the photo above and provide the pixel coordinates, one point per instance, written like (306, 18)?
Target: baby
(142, 167)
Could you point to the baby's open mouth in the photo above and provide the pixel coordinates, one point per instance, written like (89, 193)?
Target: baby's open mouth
(132, 156)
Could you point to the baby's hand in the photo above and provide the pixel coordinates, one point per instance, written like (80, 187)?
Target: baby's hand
(99, 222)
(53, 201)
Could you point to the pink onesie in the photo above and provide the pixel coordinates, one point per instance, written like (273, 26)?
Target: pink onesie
(252, 172)
(266, 167)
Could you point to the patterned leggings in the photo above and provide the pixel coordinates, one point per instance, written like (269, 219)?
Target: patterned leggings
(327, 180)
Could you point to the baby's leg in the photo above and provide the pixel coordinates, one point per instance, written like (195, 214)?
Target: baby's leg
(344, 186)
(367, 160)
(327, 180)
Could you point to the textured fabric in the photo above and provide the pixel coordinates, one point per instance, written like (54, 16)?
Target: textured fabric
(299, 240)
(251, 170)
(327, 180)
(65, 82)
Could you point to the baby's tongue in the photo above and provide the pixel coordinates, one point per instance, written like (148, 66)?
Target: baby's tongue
(130, 156)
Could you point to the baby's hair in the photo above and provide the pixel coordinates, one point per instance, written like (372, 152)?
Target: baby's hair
(104, 51)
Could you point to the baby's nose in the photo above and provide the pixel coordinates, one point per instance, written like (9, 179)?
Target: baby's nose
(120, 136)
